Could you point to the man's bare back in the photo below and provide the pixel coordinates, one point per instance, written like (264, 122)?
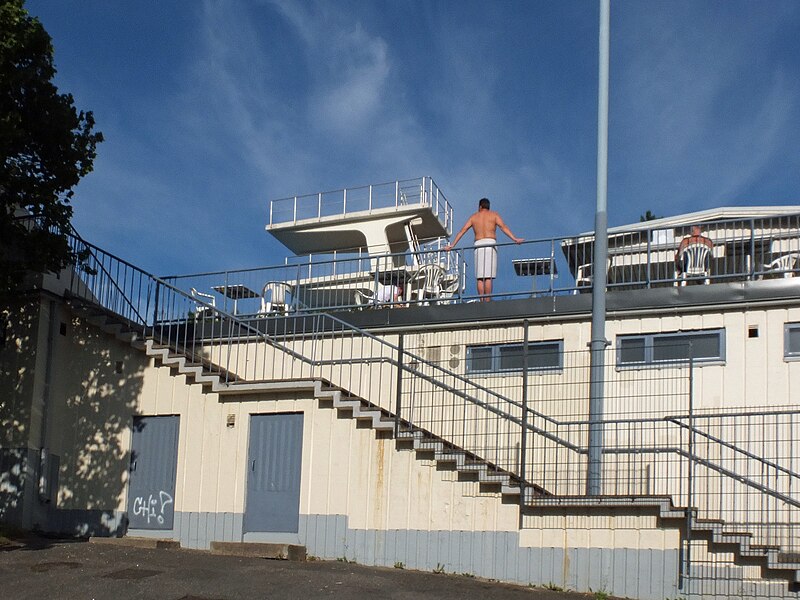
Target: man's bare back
(484, 224)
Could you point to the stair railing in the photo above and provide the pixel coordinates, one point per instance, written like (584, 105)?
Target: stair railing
(472, 417)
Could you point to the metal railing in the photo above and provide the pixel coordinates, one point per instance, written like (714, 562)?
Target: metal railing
(421, 191)
(736, 467)
(743, 250)
(342, 281)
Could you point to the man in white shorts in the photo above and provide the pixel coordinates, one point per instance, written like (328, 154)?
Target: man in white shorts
(484, 224)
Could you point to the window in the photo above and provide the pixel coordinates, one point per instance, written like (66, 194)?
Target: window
(505, 358)
(657, 348)
(791, 341)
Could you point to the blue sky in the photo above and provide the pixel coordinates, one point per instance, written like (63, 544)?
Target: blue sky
(210, 109)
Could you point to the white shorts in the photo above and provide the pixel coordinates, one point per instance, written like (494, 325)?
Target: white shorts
(485, 259)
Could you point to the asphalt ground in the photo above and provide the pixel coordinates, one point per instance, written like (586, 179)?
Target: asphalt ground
(41, 568)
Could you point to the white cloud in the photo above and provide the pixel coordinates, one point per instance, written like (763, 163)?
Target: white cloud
(696, 117)
(353, 99)
(349, 69)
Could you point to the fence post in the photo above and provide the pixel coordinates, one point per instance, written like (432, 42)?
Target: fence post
(155, 306)
(524, 440)
(398, 398)
(687, 559)
(751, 274)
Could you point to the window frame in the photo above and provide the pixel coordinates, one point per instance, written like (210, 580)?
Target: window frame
(648, 340)
(496, 356)
(788, 355)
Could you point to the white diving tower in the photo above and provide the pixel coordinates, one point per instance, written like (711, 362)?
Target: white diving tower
(378, 234)
(388, 218)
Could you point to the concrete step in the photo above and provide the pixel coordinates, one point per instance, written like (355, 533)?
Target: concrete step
(261, 550)
(137, 542)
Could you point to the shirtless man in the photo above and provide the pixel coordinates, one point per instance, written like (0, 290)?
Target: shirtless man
(484, 224)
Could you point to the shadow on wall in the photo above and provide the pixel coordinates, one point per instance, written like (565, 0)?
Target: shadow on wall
(68, 393)
(17, 364)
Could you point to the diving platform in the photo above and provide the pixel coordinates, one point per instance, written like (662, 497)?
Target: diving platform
(375, 219)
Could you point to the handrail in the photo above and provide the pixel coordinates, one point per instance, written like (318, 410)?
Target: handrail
(92, 250)
(640, 259)
(344, 324)
(424, 370)
(396, 193)
(735, 448)
(711, 465)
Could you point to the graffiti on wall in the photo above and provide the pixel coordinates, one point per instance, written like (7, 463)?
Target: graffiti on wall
(152, 506)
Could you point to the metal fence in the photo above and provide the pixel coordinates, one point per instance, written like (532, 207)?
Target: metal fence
(737, 470)
(421, 191)
(740, 250)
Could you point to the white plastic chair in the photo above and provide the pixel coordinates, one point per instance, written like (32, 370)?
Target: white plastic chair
(583, 276)
(449, 287)
(209, 300)
(695, 260)
(785, 265)
(426, 284)
(364, 299)
(273, 298)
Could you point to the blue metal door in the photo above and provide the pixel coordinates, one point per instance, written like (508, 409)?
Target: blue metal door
(154, 460)
(273, 473)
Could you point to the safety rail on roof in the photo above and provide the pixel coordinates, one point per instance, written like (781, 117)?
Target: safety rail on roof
(421, 191)
(767, 247)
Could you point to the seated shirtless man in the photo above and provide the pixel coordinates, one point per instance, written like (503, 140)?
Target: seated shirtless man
(484, 224)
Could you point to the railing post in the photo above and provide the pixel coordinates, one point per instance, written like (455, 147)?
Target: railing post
(399, 397)
(649, 234)
(396, 194)
(687, 557)
(225, 294)
(155, 305)
(752, 269)
(524, 437)
(295, 293)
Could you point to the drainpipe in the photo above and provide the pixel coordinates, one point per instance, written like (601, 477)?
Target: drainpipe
(599, 269)
(44, 485)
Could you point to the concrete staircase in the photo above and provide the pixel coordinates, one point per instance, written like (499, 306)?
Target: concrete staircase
(719, 535)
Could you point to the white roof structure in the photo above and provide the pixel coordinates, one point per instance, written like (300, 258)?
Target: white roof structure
(702, 216)
(379, 218)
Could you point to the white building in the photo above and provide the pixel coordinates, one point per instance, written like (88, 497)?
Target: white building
(283, 405)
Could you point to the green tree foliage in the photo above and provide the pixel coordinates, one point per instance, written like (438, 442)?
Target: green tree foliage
(46, 145)
(648, 216)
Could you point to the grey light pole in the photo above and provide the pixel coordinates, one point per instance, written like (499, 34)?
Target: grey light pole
(599, 269)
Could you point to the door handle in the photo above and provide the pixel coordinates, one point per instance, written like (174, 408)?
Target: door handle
(253, 467)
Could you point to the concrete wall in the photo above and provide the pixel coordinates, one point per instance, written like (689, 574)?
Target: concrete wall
(22, 385)
(68, 394)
